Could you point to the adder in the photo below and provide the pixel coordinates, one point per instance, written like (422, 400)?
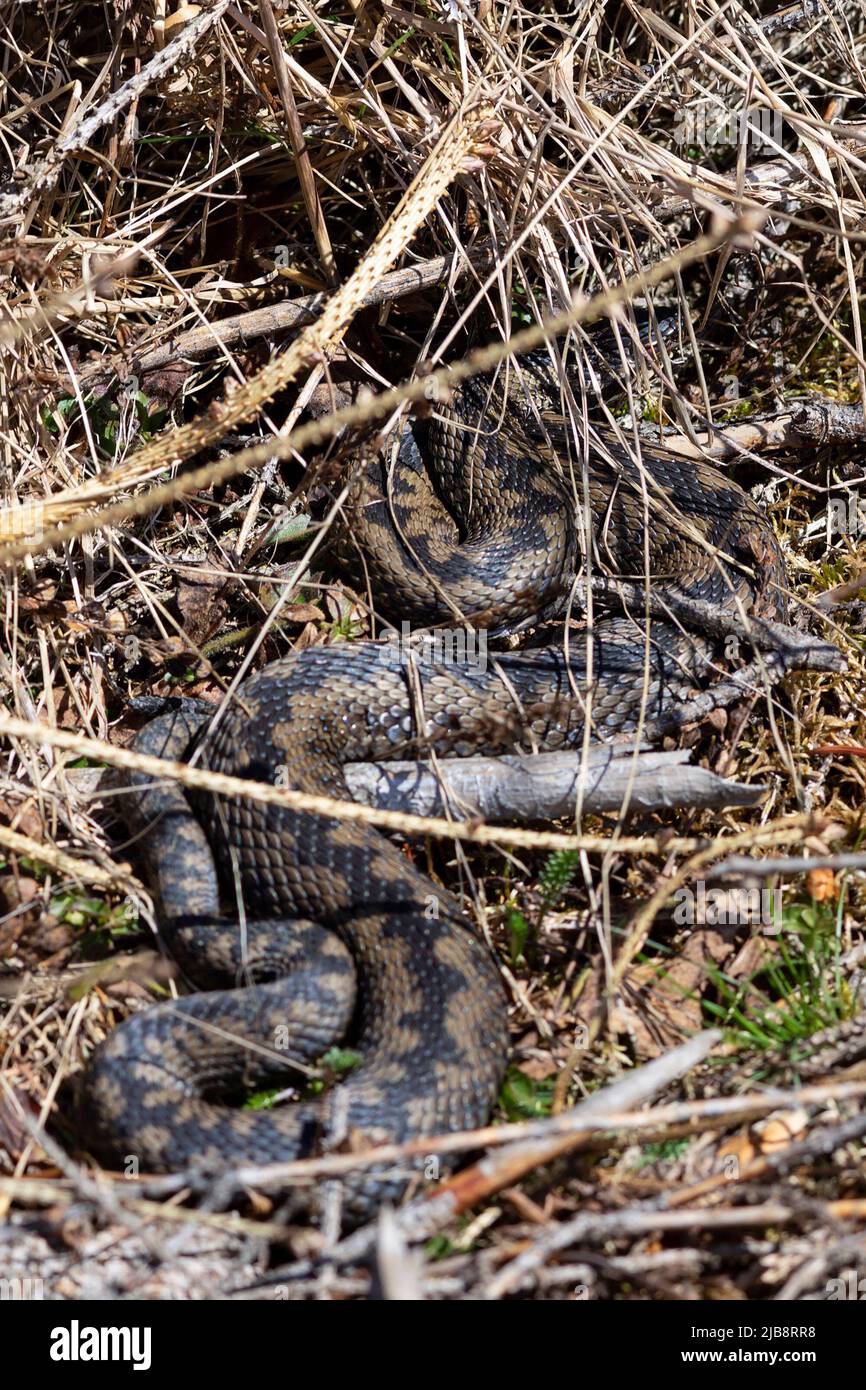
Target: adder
(301, 930)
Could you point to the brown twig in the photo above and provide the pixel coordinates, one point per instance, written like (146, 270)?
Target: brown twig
(239, 331)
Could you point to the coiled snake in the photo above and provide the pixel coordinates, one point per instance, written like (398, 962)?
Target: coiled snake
(325, 926)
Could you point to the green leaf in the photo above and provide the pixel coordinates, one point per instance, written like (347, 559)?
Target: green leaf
(341, 1059)
(438, 1247)
(524, 1099)
(288, 530)
(557, 874)
(262, 1100)
(518, 934)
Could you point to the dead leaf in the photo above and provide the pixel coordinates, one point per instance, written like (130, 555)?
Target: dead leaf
(779, 1130)
(662, 1000)
(202, 599)
(15, 1104)
(302, 613)
(821, 885)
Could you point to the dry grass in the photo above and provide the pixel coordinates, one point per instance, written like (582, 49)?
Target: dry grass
(570, 161)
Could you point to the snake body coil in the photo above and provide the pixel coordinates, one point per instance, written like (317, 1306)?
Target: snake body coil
(322, 928)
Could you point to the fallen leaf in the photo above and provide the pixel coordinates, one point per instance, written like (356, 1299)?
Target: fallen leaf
(779, 1130)
(201, 599)
(821, 885)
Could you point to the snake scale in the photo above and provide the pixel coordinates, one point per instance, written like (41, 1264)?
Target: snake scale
(300, 930)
